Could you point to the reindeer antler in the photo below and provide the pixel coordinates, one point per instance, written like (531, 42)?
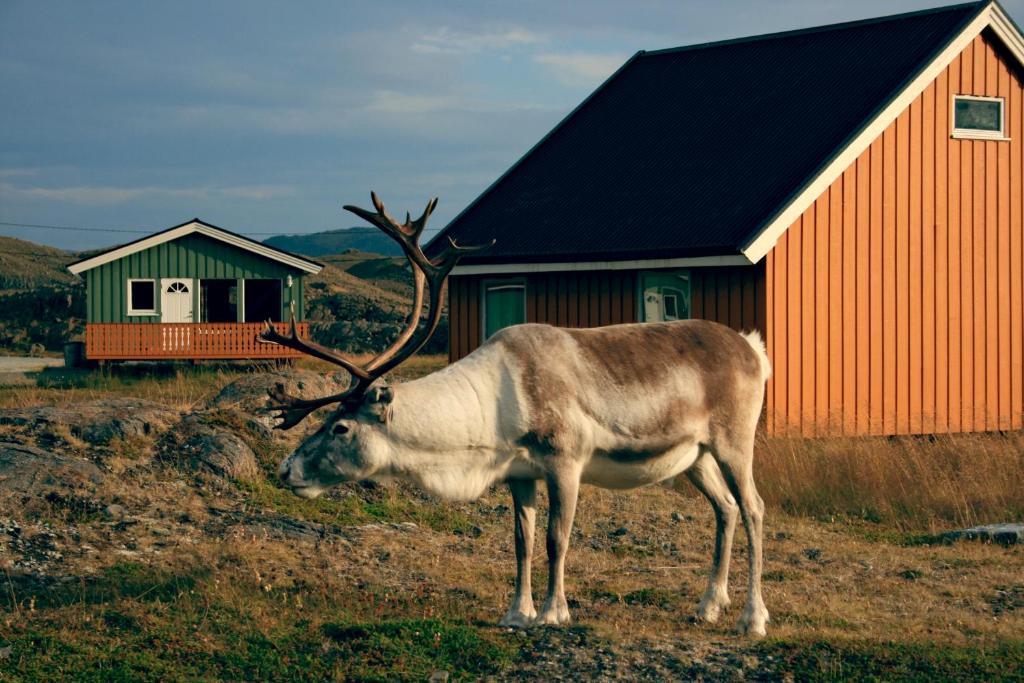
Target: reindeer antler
(427, 274)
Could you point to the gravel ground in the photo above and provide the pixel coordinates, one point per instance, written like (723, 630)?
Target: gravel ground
(27, 364)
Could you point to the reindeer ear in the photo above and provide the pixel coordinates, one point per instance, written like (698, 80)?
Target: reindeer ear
(382, 395)
(378, 402)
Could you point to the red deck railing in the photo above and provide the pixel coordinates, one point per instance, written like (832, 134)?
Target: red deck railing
(152, 341)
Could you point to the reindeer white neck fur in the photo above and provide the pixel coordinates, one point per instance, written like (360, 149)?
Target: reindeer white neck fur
(618, 407)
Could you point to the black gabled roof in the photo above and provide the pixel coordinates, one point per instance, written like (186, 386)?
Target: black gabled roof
(689, 151)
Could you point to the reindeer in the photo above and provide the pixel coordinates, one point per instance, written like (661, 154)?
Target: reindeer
(618, 407)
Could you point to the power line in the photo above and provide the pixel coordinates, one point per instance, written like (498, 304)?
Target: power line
(77, 228)
(139, 231)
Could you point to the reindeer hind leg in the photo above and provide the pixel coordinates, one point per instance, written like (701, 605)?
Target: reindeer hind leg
(707, 477)
(736, 464)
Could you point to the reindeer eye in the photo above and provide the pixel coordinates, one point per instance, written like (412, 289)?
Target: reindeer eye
(339, 429)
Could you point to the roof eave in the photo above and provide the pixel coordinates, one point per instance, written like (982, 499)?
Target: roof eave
(524, 267)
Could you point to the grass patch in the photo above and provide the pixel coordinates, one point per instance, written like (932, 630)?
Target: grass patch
(652, 597)
(380, 505)
(142, 623)
(121, 581)
(891, 661)
(411, 649)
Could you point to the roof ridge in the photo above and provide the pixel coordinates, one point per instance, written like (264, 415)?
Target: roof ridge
(843, 25)
(194, 221)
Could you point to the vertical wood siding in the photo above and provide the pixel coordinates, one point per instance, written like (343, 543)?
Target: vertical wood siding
(733, 296)
(191, 256)
(895, 301)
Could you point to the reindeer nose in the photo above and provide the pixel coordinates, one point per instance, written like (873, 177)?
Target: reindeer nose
(283, 470)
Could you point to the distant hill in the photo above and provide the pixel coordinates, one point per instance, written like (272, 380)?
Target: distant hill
(359, 303)
(41, 302)
(336, 241)
(25, 265)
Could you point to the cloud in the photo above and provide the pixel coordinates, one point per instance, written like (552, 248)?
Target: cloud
(98, 195)
(393, 102)
(12, 172)
(579, 69)
(447, 41)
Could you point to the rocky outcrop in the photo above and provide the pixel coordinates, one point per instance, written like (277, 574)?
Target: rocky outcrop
(95, 422)
(249, 394)
(1003, 534)
(34, 471)
(218, 442)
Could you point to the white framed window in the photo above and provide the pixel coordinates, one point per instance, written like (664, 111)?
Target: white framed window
(982, 118)
(503, 304)
(141, 297)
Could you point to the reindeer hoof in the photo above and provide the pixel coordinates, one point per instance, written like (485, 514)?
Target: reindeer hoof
(516, 619)
(711, 607)
(709, 613)
(553, 614)
(752, 622)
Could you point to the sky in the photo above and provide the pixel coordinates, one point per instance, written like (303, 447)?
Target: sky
(265, 117)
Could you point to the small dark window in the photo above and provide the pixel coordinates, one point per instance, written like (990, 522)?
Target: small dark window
(143, 295)
(977, 116)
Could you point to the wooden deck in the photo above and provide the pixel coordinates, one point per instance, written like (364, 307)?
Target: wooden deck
(157, 341)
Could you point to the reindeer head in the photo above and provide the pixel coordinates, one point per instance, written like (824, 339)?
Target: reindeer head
(351, 444)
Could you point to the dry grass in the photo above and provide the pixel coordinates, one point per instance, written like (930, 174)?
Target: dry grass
(922, 484)
(178, 385)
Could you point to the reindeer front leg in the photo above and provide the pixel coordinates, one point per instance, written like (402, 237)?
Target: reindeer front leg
(524, 493)
(563, 491)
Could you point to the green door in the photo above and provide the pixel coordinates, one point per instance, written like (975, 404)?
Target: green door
(504, 305)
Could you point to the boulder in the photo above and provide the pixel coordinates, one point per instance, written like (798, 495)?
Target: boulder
(95, 422)
(223, 454)
(31, 470)
(216, 442)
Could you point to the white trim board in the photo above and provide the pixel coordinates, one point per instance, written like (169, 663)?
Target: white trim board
(991, 17)
(517, 268)
(188, 229)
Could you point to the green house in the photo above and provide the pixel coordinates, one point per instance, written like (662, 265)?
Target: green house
(191, 291)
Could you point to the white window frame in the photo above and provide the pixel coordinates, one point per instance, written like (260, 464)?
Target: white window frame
(974, 133)
(497, 285)
(143, 311)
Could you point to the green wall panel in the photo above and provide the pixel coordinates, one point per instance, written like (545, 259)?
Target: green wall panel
(191, 256)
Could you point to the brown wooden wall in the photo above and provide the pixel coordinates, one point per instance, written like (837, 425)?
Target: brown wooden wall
(733, 296)
(895, 301)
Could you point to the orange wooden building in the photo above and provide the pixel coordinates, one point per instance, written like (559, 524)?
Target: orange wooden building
(853, 191)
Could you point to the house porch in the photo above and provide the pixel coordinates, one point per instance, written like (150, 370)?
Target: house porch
(184, 341)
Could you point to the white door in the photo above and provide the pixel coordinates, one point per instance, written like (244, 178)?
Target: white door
(175, 300)
(653, 306)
